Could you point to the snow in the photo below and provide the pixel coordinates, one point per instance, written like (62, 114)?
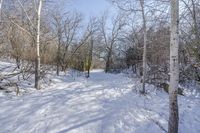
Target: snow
(103, 103)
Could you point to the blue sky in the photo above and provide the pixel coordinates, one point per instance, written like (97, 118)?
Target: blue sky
(92, 7)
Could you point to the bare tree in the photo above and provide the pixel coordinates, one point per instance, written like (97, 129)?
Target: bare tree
(89, 62)
(130, 6)
(191, 10)
(59, 33)
(16, 44)
(92, 28)
(145, 45)
(71, 26)
(174, 68)
(32, 29)
(111, 39)
(37, 68)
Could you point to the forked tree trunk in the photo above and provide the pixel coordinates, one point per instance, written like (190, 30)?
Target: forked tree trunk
(174, 68)
(37, 64)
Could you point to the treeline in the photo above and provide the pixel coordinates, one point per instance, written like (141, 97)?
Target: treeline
(110, 42)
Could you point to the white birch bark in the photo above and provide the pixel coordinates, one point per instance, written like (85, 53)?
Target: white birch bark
(174, 68)
(1, 2)
(37, 68)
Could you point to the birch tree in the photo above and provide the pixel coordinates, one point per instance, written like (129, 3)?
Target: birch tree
(131, 6)
(174, 68)
(37, 68)
(1, 2)
(33, 31)
(145, 45)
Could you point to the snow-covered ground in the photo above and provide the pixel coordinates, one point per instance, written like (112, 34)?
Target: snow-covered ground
(104, 103)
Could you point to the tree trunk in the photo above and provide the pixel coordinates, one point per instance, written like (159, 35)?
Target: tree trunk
(18, 62)
(108, 61)
(196, 30)
(57, 67)
(90, 57)
(37, 67)
(174, 68)
(1, 2)
(58, 54)
(144, 47)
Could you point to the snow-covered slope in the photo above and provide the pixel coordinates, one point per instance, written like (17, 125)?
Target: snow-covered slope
(104, 103)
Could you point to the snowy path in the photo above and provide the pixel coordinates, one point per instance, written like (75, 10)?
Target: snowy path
(104, 103)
